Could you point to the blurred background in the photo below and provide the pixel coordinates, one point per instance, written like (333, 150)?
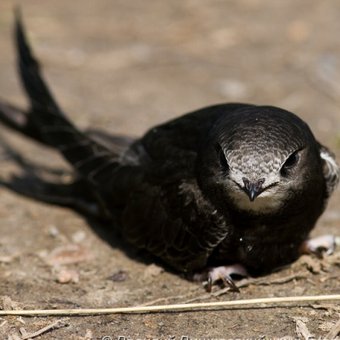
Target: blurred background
(126, 65)
(131, 64)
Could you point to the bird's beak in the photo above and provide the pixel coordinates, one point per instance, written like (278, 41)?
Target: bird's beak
(252, 193)
(252, 189)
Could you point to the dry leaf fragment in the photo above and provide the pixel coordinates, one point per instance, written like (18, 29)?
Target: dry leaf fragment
(8, 258)
(8, 304)
(69, 254)
(334, 332)
(302, 330)
(152, 270)
(67, 276)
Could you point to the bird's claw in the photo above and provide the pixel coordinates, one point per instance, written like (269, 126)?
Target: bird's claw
(224, 274)
(319, 246)
(228, 282)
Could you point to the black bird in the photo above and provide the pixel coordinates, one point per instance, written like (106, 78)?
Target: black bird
(228, 189)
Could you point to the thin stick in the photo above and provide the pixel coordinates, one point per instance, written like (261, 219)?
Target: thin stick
(333, 332)
(174, 307)
(302, 330)
(41, 331)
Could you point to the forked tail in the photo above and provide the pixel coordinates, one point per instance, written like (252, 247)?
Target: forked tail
(47, 122)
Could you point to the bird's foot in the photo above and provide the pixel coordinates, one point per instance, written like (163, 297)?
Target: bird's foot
(222, 273)
(319, 246)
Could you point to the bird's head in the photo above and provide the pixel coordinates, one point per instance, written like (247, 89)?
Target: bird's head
(260, 156)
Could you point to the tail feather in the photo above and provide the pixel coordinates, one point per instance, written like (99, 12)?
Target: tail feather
(37, 90)
(92, 160)
(19, 121)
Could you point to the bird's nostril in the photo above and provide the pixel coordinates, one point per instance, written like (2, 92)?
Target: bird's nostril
(259, 183)
(246, 183)
(256, 184)
(252, 189)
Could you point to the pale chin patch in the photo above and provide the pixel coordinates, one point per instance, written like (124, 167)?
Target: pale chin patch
(268, 201)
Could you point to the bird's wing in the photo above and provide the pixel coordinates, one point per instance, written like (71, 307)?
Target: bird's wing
(92, 160)
(167, 213)
(175, 145)
(118, 143)
(173, 222)
(331, 169)
(19, 121)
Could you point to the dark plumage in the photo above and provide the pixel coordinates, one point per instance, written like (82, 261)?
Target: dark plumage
(235, 185)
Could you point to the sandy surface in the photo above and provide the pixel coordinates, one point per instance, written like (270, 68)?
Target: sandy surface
(126, 65)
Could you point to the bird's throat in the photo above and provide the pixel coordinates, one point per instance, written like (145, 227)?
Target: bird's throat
(264, 203)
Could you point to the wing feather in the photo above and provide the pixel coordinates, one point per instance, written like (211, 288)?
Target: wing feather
(331, 169)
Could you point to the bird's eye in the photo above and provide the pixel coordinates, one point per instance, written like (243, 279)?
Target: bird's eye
(290, 162)
(222, 159)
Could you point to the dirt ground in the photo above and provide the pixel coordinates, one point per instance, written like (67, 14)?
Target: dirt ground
(125, 65)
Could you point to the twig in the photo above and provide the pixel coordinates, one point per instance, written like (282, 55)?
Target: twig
(58, 323)
(328, 307)
(302, 330)
(265, 282)
(24, 333)
(333, 332)
(256, 303)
